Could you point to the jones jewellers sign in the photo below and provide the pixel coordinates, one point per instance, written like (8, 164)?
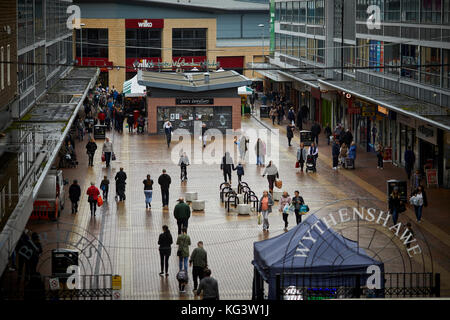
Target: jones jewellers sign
(144, 23)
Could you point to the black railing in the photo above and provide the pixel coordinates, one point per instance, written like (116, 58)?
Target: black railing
(318, 286)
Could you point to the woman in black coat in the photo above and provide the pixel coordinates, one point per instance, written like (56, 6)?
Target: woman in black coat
(290, 133)
(91, 147)
(165, 242)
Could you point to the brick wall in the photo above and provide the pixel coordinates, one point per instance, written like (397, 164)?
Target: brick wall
(8, 16)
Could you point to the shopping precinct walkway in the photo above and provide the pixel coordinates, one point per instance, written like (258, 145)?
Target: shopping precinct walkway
(129, 232)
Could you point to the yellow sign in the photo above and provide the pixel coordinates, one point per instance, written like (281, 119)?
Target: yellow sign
(116, 282)
(383, 110)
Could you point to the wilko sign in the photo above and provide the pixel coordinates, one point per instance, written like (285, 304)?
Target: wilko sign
(144, 23)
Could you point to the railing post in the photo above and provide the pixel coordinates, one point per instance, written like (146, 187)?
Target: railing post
(278, 287)
(437, 285)
(358, 286)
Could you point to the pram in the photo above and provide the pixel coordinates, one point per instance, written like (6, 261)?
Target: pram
(68, 161)
(310, 163)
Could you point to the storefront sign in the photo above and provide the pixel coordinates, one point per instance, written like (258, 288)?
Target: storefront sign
(432, 179)
(383, 110)
(426, 132)
(192, 101)
(144, 23)
(387, 156)
(368, 111)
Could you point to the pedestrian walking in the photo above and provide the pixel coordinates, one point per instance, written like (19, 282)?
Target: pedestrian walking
(164, 181)
(37, 251)
(343, 152)
(240, 171)
(314, 151)
(91, 147)
(285, 200)
(183, 163)
(290, 133)
(74, 195)
(328, 133)
(396, 206)
(410, 159)
(272, 173)
(80, 129)
(182, 213)
(352, 153)
(104, 186)
(168, 131)
(315, 131)
(107, 151)
(204, 129)
(208, 286)
(291, 116)
(165, 247)
(130, 122)
(260, 150)
(301, 156)
(199, 262)
(380, 152)
(280, 114)
(243, 147)
(419, 200)
(416, 180)
(265, 207)
(273, 113)
(227, 166)
(120, 179)
(93, 194)
(335, 150)
(297, 202)
(183, 242)
(148, 191)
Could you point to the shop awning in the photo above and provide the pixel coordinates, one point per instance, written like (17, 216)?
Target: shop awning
(131, 88)
(433, 114)
(245, 91)
(307, 78)
(274, 75)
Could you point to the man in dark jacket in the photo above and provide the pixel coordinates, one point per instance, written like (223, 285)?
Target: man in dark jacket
(182, 213)
(315, 131)
(347, 137)
(164, 181)
(199, 261)
(209, 286)
(290, 133)
(91, 147)
(74, 195)
(410, 158)
(120, 178)
(165, 242)
(335, 153)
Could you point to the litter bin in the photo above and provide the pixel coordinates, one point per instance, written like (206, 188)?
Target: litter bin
(99, 131)
(61, 260)
(402, 189)
(264, 111)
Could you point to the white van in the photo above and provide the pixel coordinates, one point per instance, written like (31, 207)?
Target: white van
(52, 190)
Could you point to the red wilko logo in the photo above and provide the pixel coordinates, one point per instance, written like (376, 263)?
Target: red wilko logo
(145, 24)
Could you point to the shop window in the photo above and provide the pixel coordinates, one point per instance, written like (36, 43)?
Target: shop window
(277, 11)
(302, 12)
(410, 61)
(430, 74)
(289, 11)
(295, 12)
(446, 69)
(410, 10)
(362, 58)
(446, 12)
(95, 43)
(431, 11)
(319, 12)
(188, 42)
(143, 43)
(310, 12)
(392, 10)
(283, 11)
(391, 57)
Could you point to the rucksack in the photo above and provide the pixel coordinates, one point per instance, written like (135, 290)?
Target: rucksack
(182, 276)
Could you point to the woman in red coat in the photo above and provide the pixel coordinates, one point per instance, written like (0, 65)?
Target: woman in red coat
(93, 194)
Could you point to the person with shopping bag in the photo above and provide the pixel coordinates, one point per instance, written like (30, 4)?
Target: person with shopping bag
(302, 153)
(297, 202)
(272, 173)
(265, 207)
(284, 207)
(93, 194)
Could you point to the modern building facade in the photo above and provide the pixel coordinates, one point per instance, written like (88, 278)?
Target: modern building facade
(160, 35)
(44, 44)
(392, 85)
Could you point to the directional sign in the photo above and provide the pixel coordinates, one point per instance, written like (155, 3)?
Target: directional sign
(116, 282)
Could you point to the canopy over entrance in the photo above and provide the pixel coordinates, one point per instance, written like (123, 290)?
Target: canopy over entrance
(131, 88)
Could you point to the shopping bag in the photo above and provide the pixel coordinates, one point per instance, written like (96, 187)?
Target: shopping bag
(113, 157)
(304, 209)
(259, 218)
(103, 157)
(278, 184)
(286, 209)
(297, 164)
(99, 201)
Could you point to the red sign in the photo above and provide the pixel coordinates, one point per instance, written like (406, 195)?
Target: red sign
(432, 179)
(144, 23)
(149, 63)
(387, 156)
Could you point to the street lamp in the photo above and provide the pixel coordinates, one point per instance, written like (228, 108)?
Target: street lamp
(262, 36)
(81, 42)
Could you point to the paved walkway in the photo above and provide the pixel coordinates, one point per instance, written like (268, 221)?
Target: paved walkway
(129, 232)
